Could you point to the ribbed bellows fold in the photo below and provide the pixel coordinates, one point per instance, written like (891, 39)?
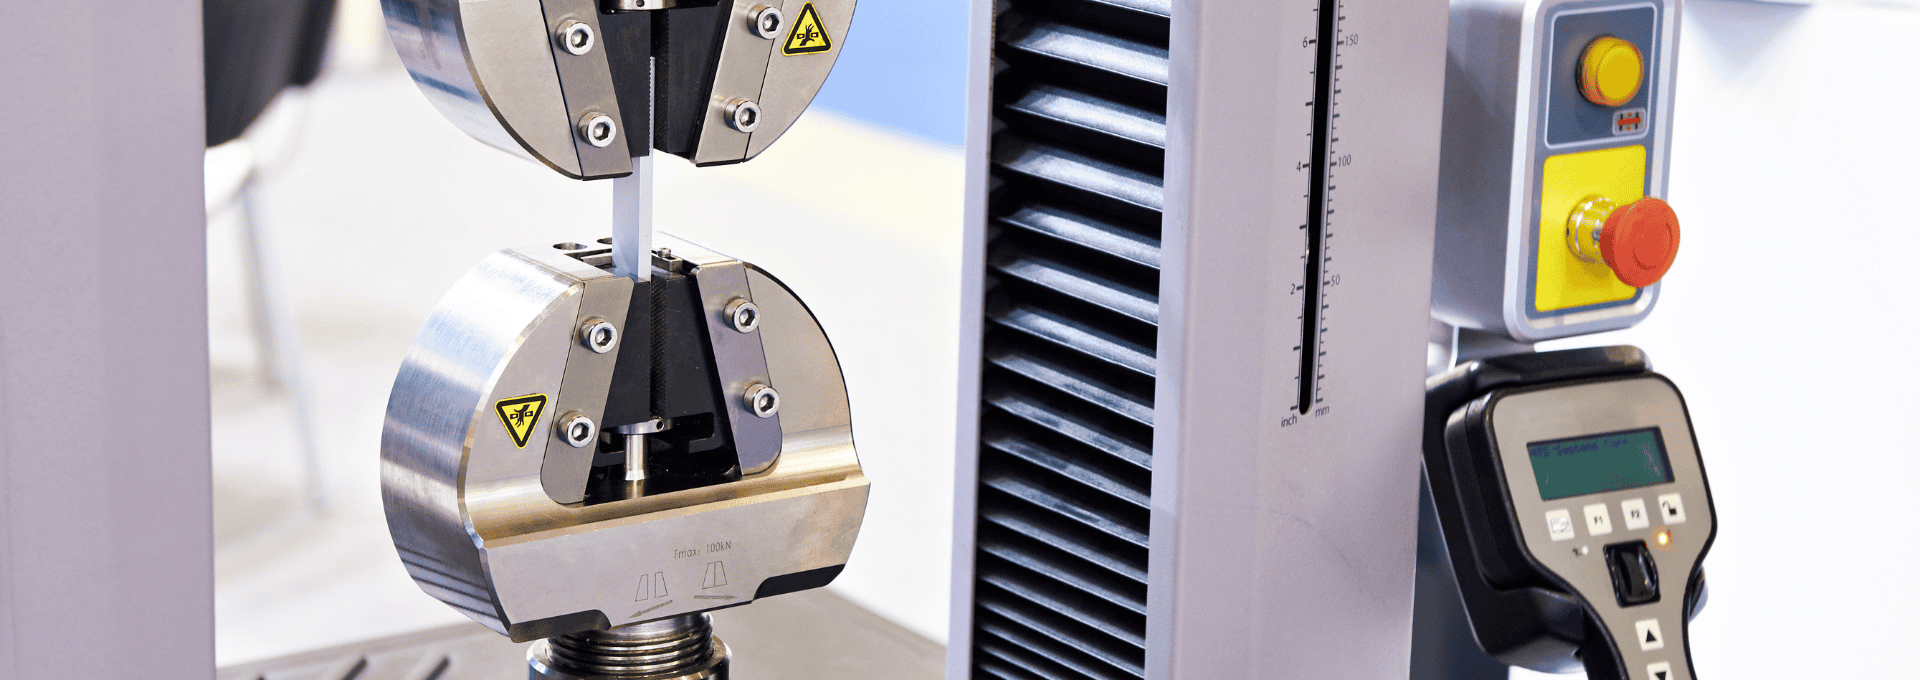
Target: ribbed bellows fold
(1072, 314)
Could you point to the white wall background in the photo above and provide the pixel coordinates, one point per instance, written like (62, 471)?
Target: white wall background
(1790, 322)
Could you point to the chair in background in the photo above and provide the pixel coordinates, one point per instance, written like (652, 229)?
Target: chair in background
(255, 50)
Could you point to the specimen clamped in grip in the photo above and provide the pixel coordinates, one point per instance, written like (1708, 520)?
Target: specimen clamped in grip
(494, 503)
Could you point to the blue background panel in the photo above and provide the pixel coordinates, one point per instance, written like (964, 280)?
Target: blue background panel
(904, 68)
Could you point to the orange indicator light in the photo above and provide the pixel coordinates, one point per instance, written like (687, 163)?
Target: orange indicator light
(1662, 537)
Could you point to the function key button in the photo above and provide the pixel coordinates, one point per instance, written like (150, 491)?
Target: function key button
(1560, 525)
(1634, 512)
(1671, 511)
(1660, 671)
(1647, 631)
(1599, 523)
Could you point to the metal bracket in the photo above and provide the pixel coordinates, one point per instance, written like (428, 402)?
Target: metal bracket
(740, 360)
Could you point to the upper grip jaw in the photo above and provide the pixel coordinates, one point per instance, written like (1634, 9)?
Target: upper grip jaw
(705, 80)
(502, 73)
(723, 60)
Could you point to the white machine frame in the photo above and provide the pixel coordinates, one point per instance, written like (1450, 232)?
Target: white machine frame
(106, 513)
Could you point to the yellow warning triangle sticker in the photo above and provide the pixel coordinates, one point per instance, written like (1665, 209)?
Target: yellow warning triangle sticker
(519, 414)
(809, 34)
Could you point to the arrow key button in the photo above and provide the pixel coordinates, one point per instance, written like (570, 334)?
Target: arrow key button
(1659, 671)
(1647, 631)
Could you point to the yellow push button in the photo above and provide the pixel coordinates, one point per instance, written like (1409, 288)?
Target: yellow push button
(1611, 71)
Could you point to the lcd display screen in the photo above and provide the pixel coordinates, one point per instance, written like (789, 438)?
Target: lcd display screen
(1599, 463)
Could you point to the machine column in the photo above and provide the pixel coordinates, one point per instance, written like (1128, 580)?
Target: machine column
(106, 531)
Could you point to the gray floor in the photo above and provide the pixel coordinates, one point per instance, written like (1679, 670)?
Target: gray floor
(814, 634)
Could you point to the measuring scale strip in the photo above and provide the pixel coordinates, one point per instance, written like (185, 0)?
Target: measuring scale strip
(1319, 225)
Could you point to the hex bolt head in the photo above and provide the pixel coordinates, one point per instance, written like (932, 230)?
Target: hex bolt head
(744, 315)
(599, 335)
(575, 37)
(743, 114)
(763, 401)
(767, 21)
(598, 129)
(577, 429)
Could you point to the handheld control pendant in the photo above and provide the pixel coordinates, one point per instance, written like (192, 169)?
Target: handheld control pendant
(1576, 510)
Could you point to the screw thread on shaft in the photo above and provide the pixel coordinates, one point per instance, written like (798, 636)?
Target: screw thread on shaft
(666, 648)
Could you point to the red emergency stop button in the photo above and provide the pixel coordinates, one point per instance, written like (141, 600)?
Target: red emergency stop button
(1640, 241)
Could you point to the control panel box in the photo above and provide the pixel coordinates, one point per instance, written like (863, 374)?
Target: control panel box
(1555, 146)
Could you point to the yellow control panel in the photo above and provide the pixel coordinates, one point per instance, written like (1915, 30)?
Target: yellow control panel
(1561, 279)
(1577, 218)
